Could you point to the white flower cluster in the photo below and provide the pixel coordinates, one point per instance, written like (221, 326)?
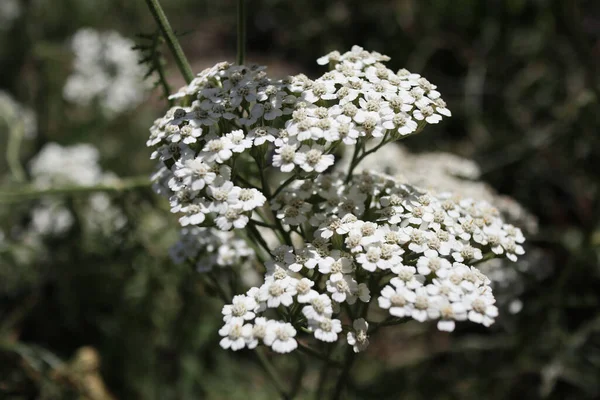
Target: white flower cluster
(59, 166)
(441, 172)
(374, 237)
(209, 248)
(342, 240)
(238, 110)
(106, 71)
(200, 154)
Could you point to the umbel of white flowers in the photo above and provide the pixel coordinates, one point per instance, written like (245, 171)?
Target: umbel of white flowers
(354, 250)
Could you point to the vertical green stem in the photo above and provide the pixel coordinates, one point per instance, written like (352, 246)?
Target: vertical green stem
(13, 149)
(324, 374)
(241, 32)
(266, 189)
(297, 385)
(272, 373)
(172, 42)
(218, 287)
(255, 234)
(342, 380)
(357, 148)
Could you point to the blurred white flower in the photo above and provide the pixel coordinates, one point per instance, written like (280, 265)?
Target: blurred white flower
(56, 165)
(106, 71)
(75, 165)
(51, 219)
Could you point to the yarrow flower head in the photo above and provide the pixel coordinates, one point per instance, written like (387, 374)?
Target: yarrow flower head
(331, 241)
(238, 113)
(415, 269)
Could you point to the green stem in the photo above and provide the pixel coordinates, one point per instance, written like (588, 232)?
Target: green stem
(263, 224)
(172, 42)
(324, 374)
(257, 236)
(356, 160)
(266, 190)
(375, 326)
(374, 149)
(218, 287)
(275, 228)
(350, 355)
(246, 182)
(286, 235)
(357, 148)
(121, 185)
(313, 353)
(241, 32)
(349, 311)
(250, 242)
(13, 149)
(271, 373)
(341, 382)
(297, 385)
(284, 184)
(486, 257)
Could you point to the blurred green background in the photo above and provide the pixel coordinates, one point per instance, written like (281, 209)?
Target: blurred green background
(97, 315)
